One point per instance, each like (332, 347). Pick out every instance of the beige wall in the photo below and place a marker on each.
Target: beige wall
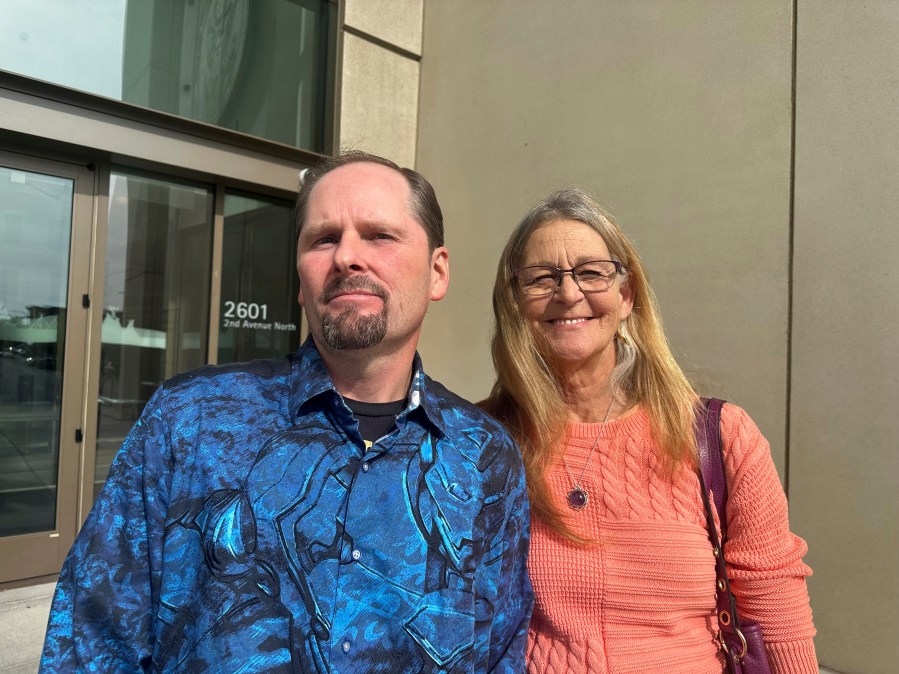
(844, 440)
(381, 49)
(675, 115)
(678, 116)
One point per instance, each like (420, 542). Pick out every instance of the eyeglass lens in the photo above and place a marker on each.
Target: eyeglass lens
(591, 276)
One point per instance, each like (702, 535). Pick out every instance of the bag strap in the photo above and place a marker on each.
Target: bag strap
(711, 458)
(712, 475)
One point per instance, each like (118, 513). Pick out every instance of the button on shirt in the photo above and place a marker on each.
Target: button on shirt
(245, 527)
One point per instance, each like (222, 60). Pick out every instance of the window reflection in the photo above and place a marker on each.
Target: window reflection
(262, 67)
(156, 298)
(259, 313)
(35, 230)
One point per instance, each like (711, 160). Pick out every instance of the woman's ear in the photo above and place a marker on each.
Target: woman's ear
(627, 297)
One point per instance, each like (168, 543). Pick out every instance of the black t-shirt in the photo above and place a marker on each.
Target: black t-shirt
(375, 419)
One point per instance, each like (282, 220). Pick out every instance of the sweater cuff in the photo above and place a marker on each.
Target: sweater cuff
(793, 657)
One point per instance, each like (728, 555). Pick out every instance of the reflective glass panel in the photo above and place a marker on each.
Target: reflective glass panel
(156, 298)
(262, 67)
(260, 314)
(35, 232)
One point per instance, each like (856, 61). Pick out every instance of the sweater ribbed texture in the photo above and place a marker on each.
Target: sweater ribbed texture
(643, 599)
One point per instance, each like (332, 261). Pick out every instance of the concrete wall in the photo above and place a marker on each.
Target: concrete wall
(675, 115)
(679, 117)
(379, 77)
(844, 431)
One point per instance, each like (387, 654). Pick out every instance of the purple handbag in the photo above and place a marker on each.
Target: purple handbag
(741, 640)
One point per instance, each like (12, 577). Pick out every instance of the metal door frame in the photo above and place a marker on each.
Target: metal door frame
(42, 553)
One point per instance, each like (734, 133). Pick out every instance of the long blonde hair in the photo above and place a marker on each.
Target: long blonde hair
(527, 395)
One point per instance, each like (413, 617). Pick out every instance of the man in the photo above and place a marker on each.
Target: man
(336, 511)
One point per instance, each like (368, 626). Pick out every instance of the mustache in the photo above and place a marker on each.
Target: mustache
(340, 285)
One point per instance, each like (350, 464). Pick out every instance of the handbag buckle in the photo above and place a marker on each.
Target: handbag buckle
(743, 646)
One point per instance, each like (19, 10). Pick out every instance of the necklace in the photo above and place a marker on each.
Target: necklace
(577, 496)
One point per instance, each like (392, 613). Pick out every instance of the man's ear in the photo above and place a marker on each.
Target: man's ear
(439, 273)
(299, 278)
(300, 298)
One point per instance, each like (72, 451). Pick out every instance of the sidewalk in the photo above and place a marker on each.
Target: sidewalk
(23, 619)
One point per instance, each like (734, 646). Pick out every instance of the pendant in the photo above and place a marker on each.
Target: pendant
(577, 498)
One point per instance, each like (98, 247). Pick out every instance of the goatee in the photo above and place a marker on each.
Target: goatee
(349, 329)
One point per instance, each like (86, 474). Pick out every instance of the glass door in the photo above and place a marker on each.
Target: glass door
(155, 300)
(259, 312)
(110, 283)
(45, 231)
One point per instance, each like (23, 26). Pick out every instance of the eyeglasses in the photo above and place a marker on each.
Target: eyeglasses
(591, 277)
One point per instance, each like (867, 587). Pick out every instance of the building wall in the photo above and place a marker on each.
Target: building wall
(844, 432)
(379, 77)
(676, 116)
(679, 118)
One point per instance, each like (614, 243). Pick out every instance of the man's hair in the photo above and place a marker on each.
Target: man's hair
(422, 200)
(527, 396)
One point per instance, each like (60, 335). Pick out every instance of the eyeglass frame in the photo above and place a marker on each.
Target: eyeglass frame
(619, 270)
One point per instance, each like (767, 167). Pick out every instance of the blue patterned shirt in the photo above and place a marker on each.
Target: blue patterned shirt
(245, 527)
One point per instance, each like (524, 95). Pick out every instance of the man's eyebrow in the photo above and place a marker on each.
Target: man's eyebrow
(380, 225)
(318, 227)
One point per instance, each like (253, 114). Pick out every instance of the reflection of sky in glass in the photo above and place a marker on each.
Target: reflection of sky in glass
(76, 44)
(35, 227)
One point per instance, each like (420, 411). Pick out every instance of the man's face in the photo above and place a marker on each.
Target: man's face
(366, 272)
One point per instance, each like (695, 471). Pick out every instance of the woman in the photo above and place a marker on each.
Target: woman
(620, 557)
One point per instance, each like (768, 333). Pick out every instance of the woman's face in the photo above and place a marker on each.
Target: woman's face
(578, 328)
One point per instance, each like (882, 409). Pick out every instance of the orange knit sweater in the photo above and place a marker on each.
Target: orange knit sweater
(643, 600)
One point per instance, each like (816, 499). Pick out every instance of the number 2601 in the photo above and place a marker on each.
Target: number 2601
(246, 310)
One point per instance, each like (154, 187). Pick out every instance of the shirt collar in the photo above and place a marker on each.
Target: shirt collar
(309, 379)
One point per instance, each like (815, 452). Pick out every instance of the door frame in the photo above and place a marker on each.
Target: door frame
(42, 553)
(33, 557)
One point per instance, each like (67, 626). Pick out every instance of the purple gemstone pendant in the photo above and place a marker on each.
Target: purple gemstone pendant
(577, 498)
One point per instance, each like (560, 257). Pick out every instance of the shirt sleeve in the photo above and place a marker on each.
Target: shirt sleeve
(504, 579)
(764, 557)
(101, 616)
